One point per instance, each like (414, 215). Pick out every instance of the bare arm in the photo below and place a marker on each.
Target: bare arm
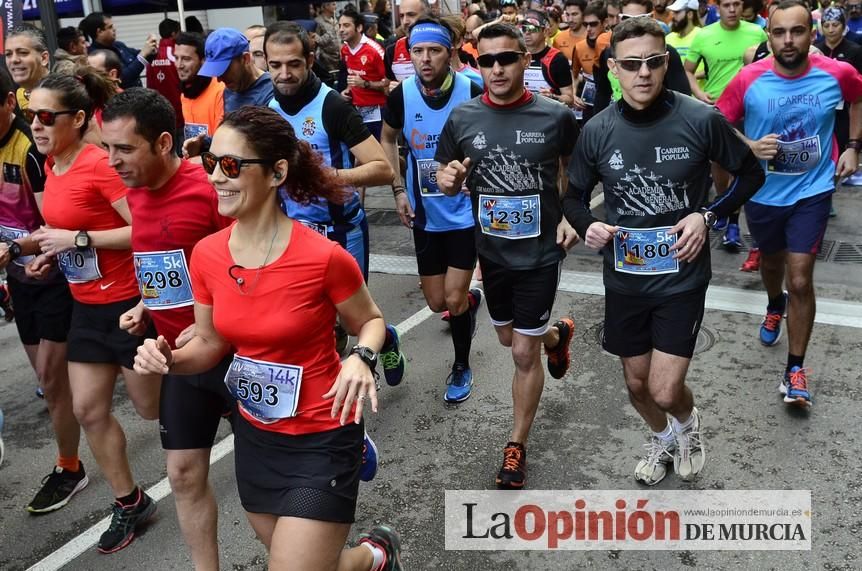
(371, 168)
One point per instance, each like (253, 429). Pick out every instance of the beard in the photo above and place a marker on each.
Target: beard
(679, 27)
(794, 62)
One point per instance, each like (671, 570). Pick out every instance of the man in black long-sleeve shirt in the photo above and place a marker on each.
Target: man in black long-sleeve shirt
(651, 150)
(674, 79)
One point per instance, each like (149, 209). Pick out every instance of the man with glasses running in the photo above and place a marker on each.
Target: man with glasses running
(788, 105)
(509, 147)
(651, 152)
(549, 73)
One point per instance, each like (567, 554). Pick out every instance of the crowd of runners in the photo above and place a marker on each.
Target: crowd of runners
(213, 251)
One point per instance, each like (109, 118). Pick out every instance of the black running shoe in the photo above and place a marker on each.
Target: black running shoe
(388, 541)
(559, 358)
(125, 521)
(58, 487)
(513, 473)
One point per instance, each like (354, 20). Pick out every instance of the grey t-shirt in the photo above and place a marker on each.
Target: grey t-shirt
(513, 184)
(654, 174)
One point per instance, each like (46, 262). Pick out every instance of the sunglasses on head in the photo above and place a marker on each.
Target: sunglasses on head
(46, 118)
(634, 64)
(503, 58)
(229, 164)
(624, 17)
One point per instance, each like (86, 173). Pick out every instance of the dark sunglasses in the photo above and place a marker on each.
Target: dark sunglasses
(592, 24)
(229, 164)
(47, 118)
(503, 58)
(624, 17)
(634, 64)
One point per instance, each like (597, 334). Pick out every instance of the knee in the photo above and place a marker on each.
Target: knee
(666, 397)
(799, 285)
(437, 305)
(526, 356)
(504, 336)
(456, 302)
(186, 478)
(148, 411)
(90, 415)
(638, 388)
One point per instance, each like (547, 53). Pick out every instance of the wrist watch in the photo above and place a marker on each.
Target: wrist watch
(82, 240)
(368, 356)
(709, 218)
(365, 84)
(14, 249)
(854, 144)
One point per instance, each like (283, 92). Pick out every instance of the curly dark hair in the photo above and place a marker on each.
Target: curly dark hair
(272, 138)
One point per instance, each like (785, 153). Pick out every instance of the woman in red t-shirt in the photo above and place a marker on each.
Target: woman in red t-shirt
(88, 236)
(270, 289)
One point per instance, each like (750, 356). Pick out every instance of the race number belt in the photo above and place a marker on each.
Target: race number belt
(510, 217)
(796, 157)
(369, 113)
(9, 233)
(589, 92)
(267, 391)
(79, 266)
(163, 278)
(427, 169)
(645, 251)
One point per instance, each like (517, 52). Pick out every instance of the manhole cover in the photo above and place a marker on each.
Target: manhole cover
(705, 338)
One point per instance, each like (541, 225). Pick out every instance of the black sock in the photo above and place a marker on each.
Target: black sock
(461, 336)
(733, 218)
(130, 499)
(794, 361)
(776, 302)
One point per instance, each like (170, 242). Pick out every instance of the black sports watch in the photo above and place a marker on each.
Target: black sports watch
(368, 356)
(82, 240)
(14, 249)
(710, 218)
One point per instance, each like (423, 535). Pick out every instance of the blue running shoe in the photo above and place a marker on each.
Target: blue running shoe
(731, 240)
(721, 224)
(393, 360)
(770, 327)
(368, 469)
(459, 384)
(794, 387)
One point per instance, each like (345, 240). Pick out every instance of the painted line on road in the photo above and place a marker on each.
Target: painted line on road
(829, 311)
(86, 540)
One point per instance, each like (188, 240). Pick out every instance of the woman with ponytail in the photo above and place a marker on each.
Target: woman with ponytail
(268, 289)
(87, 234)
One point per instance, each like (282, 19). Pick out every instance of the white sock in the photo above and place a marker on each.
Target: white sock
(681, 426)
(665, 435)
(376, 553)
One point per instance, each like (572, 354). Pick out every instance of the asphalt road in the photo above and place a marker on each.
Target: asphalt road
(586, 435)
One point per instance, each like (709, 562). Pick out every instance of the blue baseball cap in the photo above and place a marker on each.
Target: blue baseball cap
(222, 46)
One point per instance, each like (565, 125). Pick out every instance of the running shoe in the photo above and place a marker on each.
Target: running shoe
(40, 394)
(794, 387)
(770, 327)
(721, 224)
(368, 469)
(731, 240)
(2, 446)
(341, 339)
(653, 466)
(125, 521)
(475, 299)
(393, 360)
(513, 473)
(854, 179)
(559, 358)
(752, 262)
(459, 384)
(388, 541)
(690, 454)
(58, 488)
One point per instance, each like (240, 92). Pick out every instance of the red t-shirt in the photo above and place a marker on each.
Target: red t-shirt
(174, 217)
(81, 199)
(162, 76)
(287, 316)
(366, 61)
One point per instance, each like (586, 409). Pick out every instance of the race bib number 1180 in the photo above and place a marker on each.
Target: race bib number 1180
(645, 251)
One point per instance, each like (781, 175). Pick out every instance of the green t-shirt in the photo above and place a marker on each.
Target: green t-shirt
(681, 45)
(722, 51)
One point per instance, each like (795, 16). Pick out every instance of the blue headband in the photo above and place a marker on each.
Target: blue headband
(430, 32)
(833, 14)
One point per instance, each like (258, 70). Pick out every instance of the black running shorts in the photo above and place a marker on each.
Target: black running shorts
(522, 298)
(191, 406)
(96, 337)
(310, 476)
(436, 252)
(636, 325)
(42, 311)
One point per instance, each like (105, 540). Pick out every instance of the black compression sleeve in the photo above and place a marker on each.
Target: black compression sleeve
(576, 207)
(560, 70)
(749, 179)
(343, 122)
